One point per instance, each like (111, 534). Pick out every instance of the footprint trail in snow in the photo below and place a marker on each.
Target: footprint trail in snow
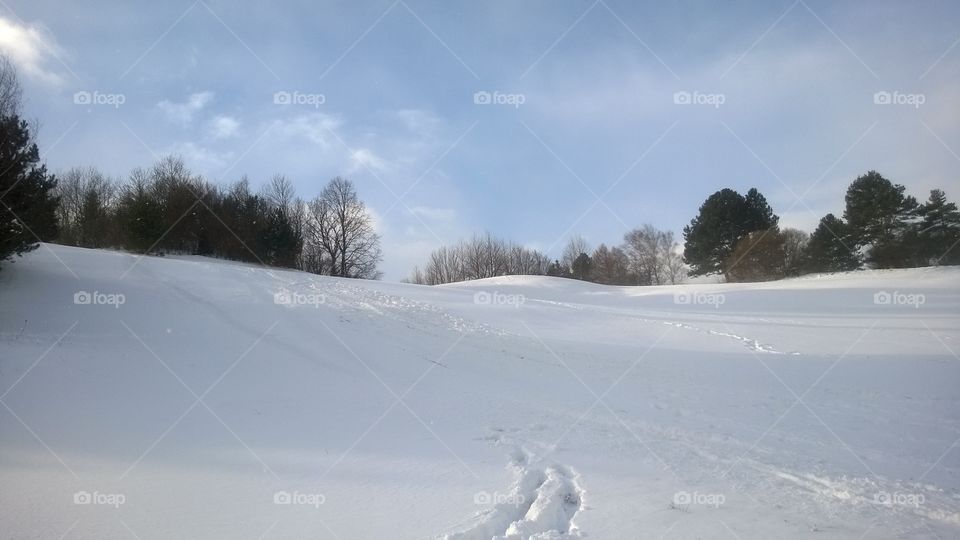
(542, 504)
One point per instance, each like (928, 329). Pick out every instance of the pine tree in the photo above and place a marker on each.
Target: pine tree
(758, 214)
(881, 218)
(582, 267)
(724, 218)
(827, 251)
(280, 242)
(939, 229)
(556, 269)
(28, 209)
(874, 208)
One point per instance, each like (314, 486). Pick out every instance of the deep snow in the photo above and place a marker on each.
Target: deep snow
(224, 400)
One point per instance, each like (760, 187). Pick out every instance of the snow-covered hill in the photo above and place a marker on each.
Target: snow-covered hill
(192, 398)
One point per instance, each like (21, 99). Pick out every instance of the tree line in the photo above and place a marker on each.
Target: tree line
(165, 208)
(648, 256)
(881, 227)
(482, 256)
(736, 236)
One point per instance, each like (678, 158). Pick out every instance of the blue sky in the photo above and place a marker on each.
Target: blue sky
(586, 138)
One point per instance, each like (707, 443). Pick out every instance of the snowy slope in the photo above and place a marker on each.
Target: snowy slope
(193, 398)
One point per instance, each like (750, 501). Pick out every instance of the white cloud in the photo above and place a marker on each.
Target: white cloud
(224, 127)
(365, 159)
(183, 113)
(31, 48)
(318, 128)
(200, 159)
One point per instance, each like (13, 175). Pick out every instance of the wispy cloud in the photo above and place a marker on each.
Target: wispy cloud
(32, 48)
(224, 127)
(364, 158)
(201, 158)
(183, 113)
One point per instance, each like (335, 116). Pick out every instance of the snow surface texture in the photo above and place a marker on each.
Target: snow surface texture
(192, 398)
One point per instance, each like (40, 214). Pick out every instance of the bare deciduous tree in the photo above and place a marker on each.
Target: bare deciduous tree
(482, 256)
(610, 266)
(523, 261)
(87, 201)
(446, 266)
(11, 92)
(340, 234)
(649, 250)
(485, 257)
(279, 192)
(575, 246)
(676, 270)
(794, 243)
(758, 256)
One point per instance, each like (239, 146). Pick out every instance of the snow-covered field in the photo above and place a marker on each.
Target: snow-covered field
(192, 398)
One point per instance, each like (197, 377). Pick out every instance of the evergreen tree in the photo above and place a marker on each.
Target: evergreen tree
(280, 240)
(904, 249)
(582, 267)
(875, 208)
(758, 215)
(724, 218)
(881, 218)
(939, 229)
(28, 209)
(827, 250)
(556, 269)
